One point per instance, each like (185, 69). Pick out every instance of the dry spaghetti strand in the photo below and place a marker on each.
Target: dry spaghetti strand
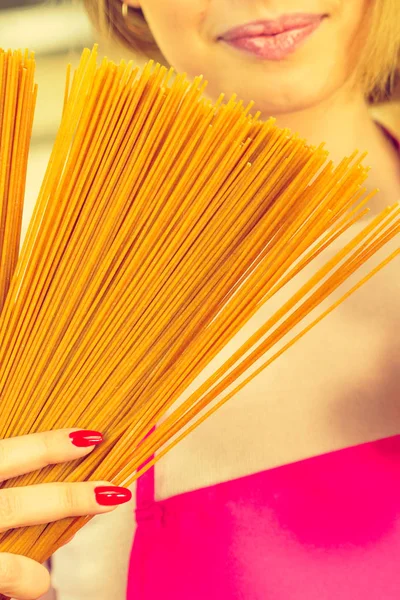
(164, 223)
(17, 105)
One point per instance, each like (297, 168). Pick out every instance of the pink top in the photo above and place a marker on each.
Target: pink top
(325, 528)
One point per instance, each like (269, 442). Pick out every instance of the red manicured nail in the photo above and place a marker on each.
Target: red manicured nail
(85, 439)
(112, 496)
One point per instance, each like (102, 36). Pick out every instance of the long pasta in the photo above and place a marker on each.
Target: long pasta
(17, 105)
(163, 224)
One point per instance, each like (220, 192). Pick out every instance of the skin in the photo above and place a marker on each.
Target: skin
(21, 577)
(308, 77)
(311, 92)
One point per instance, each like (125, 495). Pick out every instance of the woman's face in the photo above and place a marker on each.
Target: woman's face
(286, 55)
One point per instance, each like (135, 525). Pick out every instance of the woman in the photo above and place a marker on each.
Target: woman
(292, 491)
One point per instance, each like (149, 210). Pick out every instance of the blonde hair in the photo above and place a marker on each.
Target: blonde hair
(379, 65)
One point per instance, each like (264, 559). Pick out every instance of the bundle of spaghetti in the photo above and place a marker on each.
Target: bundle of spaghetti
(17, 106)
(165, 221)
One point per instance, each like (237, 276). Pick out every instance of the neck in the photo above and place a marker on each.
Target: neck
(345, 124)
(342, 121)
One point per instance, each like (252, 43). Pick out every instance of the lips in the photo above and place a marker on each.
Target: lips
(273, 40)
(270, 28)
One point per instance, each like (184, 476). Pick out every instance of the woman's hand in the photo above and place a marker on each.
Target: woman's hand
(21, 577)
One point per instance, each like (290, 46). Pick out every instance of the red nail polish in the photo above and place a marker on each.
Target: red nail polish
(85, 439)
(112, 496)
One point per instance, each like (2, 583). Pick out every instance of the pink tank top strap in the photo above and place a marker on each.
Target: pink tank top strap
(145, 493)
(145, 490)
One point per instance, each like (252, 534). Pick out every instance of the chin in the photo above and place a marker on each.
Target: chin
(277, 89)
(274, 99)
(288, 89)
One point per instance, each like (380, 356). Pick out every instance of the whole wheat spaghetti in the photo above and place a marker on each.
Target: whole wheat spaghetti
(163, 224)
(17, 104)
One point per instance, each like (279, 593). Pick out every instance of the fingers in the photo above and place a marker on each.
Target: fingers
(27, 453)
(22, 578)
(40, 504)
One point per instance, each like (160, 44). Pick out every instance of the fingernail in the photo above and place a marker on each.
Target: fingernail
(85, 439)
(112, 496)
